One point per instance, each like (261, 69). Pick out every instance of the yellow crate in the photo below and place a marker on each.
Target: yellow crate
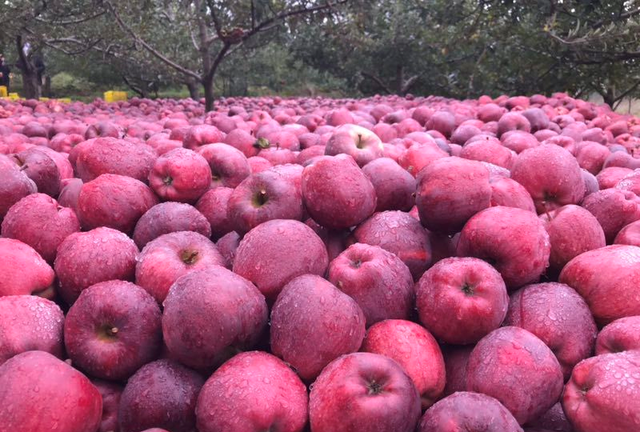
(108, 96)
(115, 96)
(44, 99)
(14, 96)
(3, 91)
(64, 100)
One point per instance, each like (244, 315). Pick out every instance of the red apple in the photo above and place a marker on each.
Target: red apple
(336, 192)
(35, 386)
(273, 399)
(166, 258)
(600, 395)
(509, 193)
(40, 168)
(380, 395)
(450, 191)
(361, 144)
(214, 205)
(168, 217)
(110, 393)
(24, 271)
(180, 175)
(86, 258)
(461, 300)
(470, 412)
(15, 185)
(515, 367)
(160, 394)
(211, 313)
(620, 335)
(228, 165)
(415, 350)
(456, 359)
(395, 187)
(313, 323)
(275, 252)
(115, 156)
(514, 241)
(114, 201)
(614, 209)
(227, 246)
(376, 279)
(112, 330)
(69, 193)
(30, 323)
(38, 221)
(200, 135)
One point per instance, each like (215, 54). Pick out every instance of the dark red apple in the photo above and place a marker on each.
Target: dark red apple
(556, 314)
(469, 412)
(507, 192)
(211, 313)
(30, 323)
(114, 201)
(168, 217)
(40, 168)
(35, 386)
(69, 193)
(415, 350)
(401, 234)
(600, 397)
(456, 359)
(24, 271)
(313, 323)
(110, 393)
(515, 367)
(15, 185)
(200, 135)
(180, 175)
(606, 279)
(450, 191)
(166, 258)
(275, 252)
(160, 394)
(86, 258)
(112, 330)
(395, 187)
(273, 399)
(380, 395)
(376, 279)
(614, 209)
(620, 335)
(514, 241)
(115, 156)
(228, 165)
(336, 193)
(461, 300)
(214, 205)
(38, 220)
(361, 144)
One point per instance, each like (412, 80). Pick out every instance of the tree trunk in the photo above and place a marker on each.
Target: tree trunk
(209, 97)
(400, 80)
(194, 92)
(31, 85)
(46, 91)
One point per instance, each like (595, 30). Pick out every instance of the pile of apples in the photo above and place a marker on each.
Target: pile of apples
(390, 264)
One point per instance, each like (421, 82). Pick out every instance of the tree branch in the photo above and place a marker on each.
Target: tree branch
(71, 22)
(377, 80)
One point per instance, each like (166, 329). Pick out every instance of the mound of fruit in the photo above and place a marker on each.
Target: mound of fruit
(378, 265)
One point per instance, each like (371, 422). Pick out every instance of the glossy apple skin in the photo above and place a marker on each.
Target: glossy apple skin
(488, 149)
(69, 193)
(336, 193)
(213, 205)
(513, 240)
(572, 231)
(160, 394)
(620, 335)
(180, 175)
(111, 393)
(413, 348)
(273, 399)
(30, 323)
(24, 271)
(276, 251)
(472, 412)
(228, 165)
(600, 395)
(304, 325)
(38, 220)
(553, 420)
(556, 314)
(456, 359)
(209, 314)
(614, 209)
(166, 258)
(361, 144)
(79, 264)
(15, 185)
(461, 300)
(261, 197)
(35, 385)
(376, 279)
(450, 191)
(606, 279)
(381, 395)
(394, 186)
(509, 193)
(113, 329)
(399, 233)
(551, 175)
(41, 168)
(629, 235)
(168, 217)
(115, 156)
(114, 201)
(515, 367)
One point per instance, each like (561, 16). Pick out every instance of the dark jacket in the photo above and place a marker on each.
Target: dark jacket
(4, 80)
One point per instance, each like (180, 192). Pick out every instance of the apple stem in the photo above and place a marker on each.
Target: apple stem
(114, 330)
(546, 210)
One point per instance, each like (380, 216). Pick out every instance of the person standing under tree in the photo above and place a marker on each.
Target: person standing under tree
(5, 72)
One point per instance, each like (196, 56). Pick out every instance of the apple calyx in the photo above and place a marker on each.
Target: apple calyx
(356, 264)
(260, 198)
(108, 332)
(189, 256)
(375, 388)
(262, 143)
(168, 180)
(467, 289)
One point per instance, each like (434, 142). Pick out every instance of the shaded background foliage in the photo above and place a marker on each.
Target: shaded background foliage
(458, 48)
